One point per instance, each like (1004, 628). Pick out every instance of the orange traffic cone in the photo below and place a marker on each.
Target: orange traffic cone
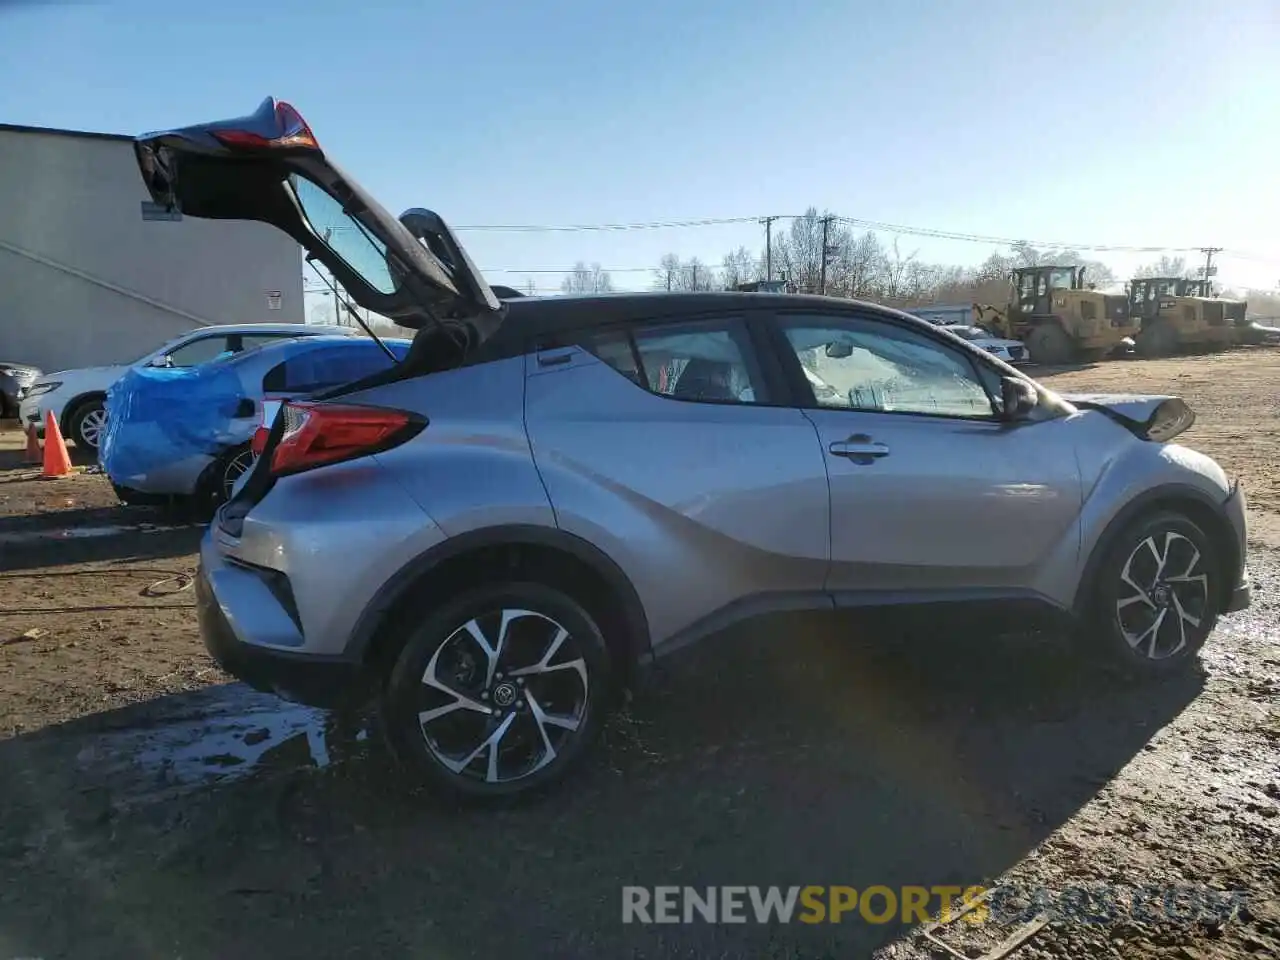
(33, 445)
(57, 462)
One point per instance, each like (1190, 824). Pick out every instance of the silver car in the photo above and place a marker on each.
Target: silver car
(547, 495)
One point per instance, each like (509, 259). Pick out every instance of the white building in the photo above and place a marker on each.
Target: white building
(92, 273)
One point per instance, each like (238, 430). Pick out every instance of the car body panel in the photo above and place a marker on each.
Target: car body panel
(470, 468)
(646, 478)
(1007, 497)
(362, 508)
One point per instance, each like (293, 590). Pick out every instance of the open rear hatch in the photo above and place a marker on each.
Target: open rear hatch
(268, 166)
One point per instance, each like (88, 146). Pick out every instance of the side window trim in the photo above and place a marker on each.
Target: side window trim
(803, 390)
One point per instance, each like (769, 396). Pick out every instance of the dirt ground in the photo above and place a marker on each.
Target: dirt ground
(151, 808)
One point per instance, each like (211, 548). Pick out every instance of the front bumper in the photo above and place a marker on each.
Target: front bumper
(31, 414)
(249, 632)
(1237, 514)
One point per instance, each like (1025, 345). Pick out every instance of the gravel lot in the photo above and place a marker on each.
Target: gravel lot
(150, 808)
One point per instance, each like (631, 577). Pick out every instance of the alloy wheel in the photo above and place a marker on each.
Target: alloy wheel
(91, 426)
(236, 467)
(503, 695)
(1164, 590)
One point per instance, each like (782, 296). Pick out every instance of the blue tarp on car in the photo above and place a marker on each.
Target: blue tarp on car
(160, 416)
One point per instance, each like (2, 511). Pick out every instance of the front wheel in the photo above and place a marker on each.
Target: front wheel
(498, 692)
(86, 424)
(1155, 596)
(1049, 344)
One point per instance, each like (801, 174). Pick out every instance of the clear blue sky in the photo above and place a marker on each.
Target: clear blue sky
(1144, 122)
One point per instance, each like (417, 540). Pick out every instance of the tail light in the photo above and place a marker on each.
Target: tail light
(259, 441)
(291, 131)
(316, 434)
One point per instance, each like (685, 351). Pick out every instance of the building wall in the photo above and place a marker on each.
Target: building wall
(84, 280)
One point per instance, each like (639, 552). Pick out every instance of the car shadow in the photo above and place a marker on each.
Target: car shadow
(94, 534)
(792, 752)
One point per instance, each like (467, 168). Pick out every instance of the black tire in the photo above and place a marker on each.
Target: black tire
(1116, 614)
(215, 484)
(82, 421)
(1049, 344)
(1157, 339)
(442, 645)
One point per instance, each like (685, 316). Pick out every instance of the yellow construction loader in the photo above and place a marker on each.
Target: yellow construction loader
(1059, 319)
(1176, 314)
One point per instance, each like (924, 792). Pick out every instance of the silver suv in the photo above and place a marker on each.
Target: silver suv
(546, 495)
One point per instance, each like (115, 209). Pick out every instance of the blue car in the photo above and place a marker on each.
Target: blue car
(186, 434)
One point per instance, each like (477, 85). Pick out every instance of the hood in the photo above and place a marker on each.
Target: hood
(81, 373)
(268, 166)
(1150, 417)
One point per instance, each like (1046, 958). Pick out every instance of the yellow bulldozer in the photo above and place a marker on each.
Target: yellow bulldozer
(1176, 313)
(1058, 317)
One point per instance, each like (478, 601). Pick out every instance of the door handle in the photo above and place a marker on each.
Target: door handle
(860, 448)
(555, 359)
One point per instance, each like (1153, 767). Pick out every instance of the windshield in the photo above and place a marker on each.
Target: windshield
(1062, 278)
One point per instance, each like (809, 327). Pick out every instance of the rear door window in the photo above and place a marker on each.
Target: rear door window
(707, 361)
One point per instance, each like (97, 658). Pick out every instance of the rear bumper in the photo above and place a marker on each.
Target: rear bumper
(231, 600)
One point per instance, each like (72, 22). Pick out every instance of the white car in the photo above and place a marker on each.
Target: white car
(1010, 351)
(76, 396)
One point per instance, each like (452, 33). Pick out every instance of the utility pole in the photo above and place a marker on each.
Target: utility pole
(337, 307)
(1208, 266)
(694, 284)
(822, 284)
(768, 247)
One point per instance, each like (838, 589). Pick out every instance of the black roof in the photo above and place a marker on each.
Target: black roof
(542, 318)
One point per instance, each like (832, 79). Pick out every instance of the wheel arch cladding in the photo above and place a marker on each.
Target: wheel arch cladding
(1197, 506)
(515, 552)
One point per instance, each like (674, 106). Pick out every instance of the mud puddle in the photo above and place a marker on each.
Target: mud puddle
(193, 741)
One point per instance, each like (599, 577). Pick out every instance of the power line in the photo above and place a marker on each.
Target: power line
(880, 225)
(578, 227)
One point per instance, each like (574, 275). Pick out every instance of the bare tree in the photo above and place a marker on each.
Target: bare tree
(738, 267)
(587, 279)
(696, 275)
(667, 275)
(1167, 266)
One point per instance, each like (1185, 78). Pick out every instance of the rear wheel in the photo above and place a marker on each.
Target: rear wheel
(219, 480)
(1049, 344)
(498, 692)
(85, 425)
(1155, 596)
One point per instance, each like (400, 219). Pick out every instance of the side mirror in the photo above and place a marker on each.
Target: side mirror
(1017, 398)
(838, 351)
